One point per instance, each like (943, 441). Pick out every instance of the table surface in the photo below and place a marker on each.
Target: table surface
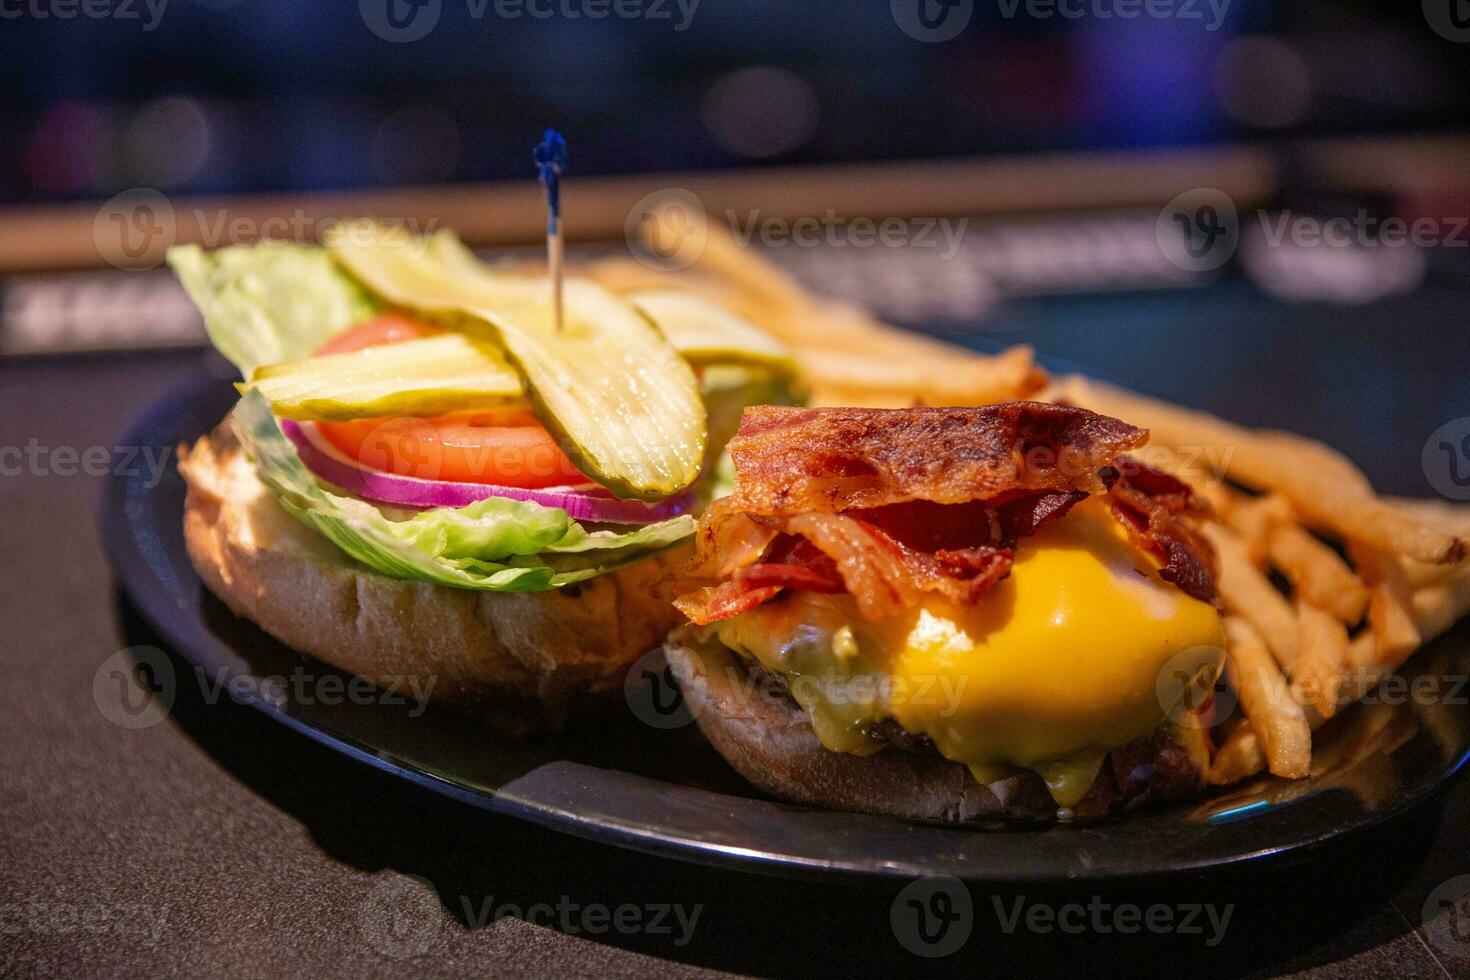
(220, 844)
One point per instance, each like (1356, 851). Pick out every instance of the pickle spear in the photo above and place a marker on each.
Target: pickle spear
(431, 376)
(622, 402)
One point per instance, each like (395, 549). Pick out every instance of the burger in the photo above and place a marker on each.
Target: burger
(437, 469)
(954, 614)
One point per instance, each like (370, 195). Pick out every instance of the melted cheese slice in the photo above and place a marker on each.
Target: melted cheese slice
(1048, 671)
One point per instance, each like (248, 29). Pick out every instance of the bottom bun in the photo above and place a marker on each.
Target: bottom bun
(533, 649)
(769, 741)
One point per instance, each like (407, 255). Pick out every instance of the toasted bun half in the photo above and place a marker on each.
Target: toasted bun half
(512, 647)
(770, 742)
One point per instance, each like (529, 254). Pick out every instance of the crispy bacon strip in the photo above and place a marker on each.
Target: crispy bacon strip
(728, 539)
(840, 552)
(713, 603)
(803, 578)
(872, 565)
(1156, 509)
(886, 575)
(1021, 514)
(891, 505)
(802, 461)
(792, 563)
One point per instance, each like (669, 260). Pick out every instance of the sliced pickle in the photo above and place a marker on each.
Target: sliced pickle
(431, 376)
(622, 402)
(706, 333)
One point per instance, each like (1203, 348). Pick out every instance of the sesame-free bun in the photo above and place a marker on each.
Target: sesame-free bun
(538, 648)
(769, 741)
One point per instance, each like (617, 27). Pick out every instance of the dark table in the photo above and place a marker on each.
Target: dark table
(219, 844)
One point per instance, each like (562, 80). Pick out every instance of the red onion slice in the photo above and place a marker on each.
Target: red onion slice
(584, 503)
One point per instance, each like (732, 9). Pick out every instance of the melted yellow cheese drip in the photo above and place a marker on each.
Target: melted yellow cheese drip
(1049, 670)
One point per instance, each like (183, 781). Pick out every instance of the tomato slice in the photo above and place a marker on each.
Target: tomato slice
(389, 328)
(504, 447)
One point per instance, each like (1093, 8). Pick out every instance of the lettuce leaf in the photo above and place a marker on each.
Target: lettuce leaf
(270, 302)
(494, 544)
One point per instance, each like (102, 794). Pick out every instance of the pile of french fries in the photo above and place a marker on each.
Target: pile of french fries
(1295, 662)
(1397, 577)
(847, 357)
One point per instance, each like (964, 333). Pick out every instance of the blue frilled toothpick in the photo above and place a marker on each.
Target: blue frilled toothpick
(551, 158)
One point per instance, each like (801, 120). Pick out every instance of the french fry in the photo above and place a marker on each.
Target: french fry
(1420, 575)
(1240, 755)
(1237, 757)
(1438, 606)
(792, 314)
(1274, 714)
(1390, 606)
(1441, 513)
(1359, 673)
(869, 356)
(1316, 573)
(1319, 677)
(1254, 518)
(1296, 452)
(1390, 613)
(743, 267)
(1004, 377)
(1362, 654)
(1323, 487)
(1210, 486)
(624, 275)
(1249, 595)
(1452, 517)
(849, 357)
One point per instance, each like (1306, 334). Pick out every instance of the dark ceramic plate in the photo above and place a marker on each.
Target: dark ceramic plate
(614, 779)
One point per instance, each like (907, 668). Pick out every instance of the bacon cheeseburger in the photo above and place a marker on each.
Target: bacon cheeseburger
(949, 613)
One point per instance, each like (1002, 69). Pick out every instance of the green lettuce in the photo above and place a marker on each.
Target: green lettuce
(494, 544)
(271, 302)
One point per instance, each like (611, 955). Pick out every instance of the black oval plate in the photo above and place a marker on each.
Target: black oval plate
(613, 779)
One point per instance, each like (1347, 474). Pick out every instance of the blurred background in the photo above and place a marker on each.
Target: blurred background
(247, 96)
(1104, 179)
